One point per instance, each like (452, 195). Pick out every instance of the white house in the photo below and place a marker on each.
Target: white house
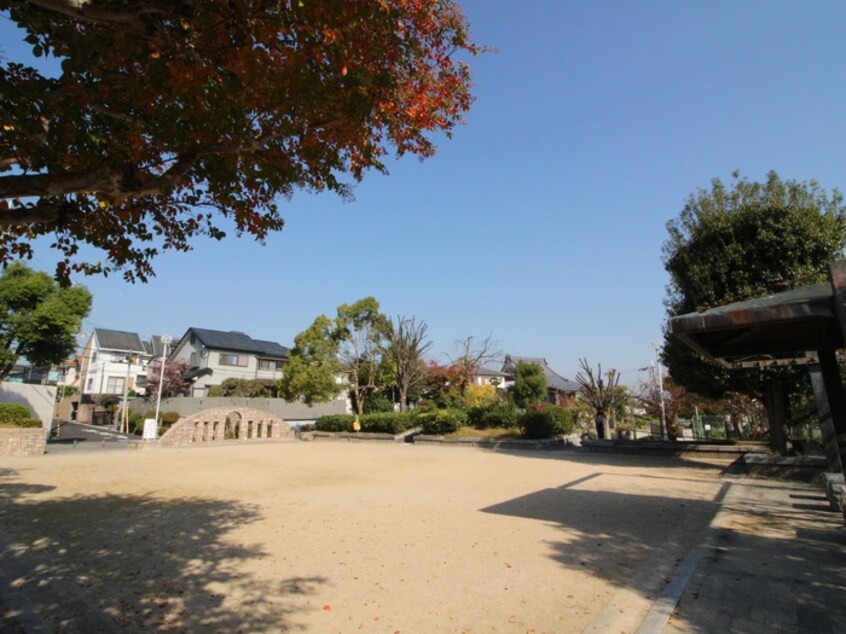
(115, 360)
(214, 356)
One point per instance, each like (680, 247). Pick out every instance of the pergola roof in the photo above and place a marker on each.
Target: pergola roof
(784, 328)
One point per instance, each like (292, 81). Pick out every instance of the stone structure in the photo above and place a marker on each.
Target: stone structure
(228, 424)
(23, 442)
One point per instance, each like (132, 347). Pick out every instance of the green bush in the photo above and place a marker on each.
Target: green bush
(169, 418)
(28, 422)
(538, 424)
(442, 421)
(387, 422)
(335, 422)
(563, 418)
(12, 413)
(503, 415)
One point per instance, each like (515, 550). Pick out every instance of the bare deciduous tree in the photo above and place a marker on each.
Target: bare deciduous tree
(405, 348)
(601, 395)
(471, 357)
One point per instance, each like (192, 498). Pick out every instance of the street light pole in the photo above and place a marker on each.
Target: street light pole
(166, 339)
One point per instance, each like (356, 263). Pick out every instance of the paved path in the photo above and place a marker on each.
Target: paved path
(773, 560)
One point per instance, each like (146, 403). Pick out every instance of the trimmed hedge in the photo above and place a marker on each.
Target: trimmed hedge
(12, 413)
(442, 421)
(28, 423)
(501, 416)
(387, 422)
(335, 422)
(538, 424)
(379, 423)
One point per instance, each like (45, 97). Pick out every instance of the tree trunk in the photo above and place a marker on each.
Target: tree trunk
(777, 404)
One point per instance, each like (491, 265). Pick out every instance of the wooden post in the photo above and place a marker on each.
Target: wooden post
(826, 406)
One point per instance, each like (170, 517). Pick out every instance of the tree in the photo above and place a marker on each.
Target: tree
(38, 319)
(405, 348)
(749, 240)
(602, 395)
(529, 384)
(174, 382)
(360, 330)
(471, 357)
(168, 120)
(313, 366)
(667, 402)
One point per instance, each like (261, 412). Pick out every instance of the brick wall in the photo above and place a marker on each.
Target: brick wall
(245, 425)
(22, 442)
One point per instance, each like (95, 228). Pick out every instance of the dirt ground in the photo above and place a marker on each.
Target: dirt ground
(333, 536)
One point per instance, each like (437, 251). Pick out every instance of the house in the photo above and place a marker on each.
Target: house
(116, 360)
(487, 376)
(560, 389)
(214, 356)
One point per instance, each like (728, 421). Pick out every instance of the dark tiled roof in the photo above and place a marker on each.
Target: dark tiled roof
(118, 340)
(237, 341)
(553, 379)
(273, 349)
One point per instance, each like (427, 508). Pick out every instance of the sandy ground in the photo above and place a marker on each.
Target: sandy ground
(358, 536)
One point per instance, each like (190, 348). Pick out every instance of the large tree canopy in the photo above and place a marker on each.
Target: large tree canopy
(729, 244)
(38, 319)
(168, 116)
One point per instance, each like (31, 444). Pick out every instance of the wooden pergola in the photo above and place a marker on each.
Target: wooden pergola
(802, 326)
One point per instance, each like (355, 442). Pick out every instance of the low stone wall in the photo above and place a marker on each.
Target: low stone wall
(23, 442)
(243, 425)
(803, 468)
(501, 443)
(677, 449)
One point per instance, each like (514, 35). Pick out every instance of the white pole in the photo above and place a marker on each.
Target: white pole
(166, 339)
(657, 345)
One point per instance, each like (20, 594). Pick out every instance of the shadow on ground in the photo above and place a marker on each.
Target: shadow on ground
(146, 563)
(634, 541)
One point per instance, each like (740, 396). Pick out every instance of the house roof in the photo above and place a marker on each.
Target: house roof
(237, 341)
(118, 340)
(273, 349)
(553, 379)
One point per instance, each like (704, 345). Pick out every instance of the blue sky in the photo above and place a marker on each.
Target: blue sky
(541, 222)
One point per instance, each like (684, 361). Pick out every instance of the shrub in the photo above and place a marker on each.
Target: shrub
(538, 424)
(505, 415)
(12, 413)
(376, 402)
(387, 422)
(169, 418)
(28, 422)
(335, 422)
(442, 421)
(563, 418)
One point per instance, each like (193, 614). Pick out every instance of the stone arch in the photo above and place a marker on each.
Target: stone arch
(228, 424)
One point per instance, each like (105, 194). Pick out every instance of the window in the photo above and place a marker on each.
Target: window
(141, 380)
(271, 365)
(93, 357)
(240, 360)
(89, 385)
(114, 385)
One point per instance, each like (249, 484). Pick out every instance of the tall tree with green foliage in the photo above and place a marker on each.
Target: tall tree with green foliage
(313, 368)
(733, 243)
(361, 331)
(160, 121)
(38, 319)
(529, 384)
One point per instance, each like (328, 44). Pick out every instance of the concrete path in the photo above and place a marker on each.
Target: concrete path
(773, 560)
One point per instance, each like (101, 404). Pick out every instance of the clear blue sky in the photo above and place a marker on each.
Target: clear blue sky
(541, 222)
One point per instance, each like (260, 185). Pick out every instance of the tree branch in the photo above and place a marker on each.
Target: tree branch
(85, 10)
(128, 183)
